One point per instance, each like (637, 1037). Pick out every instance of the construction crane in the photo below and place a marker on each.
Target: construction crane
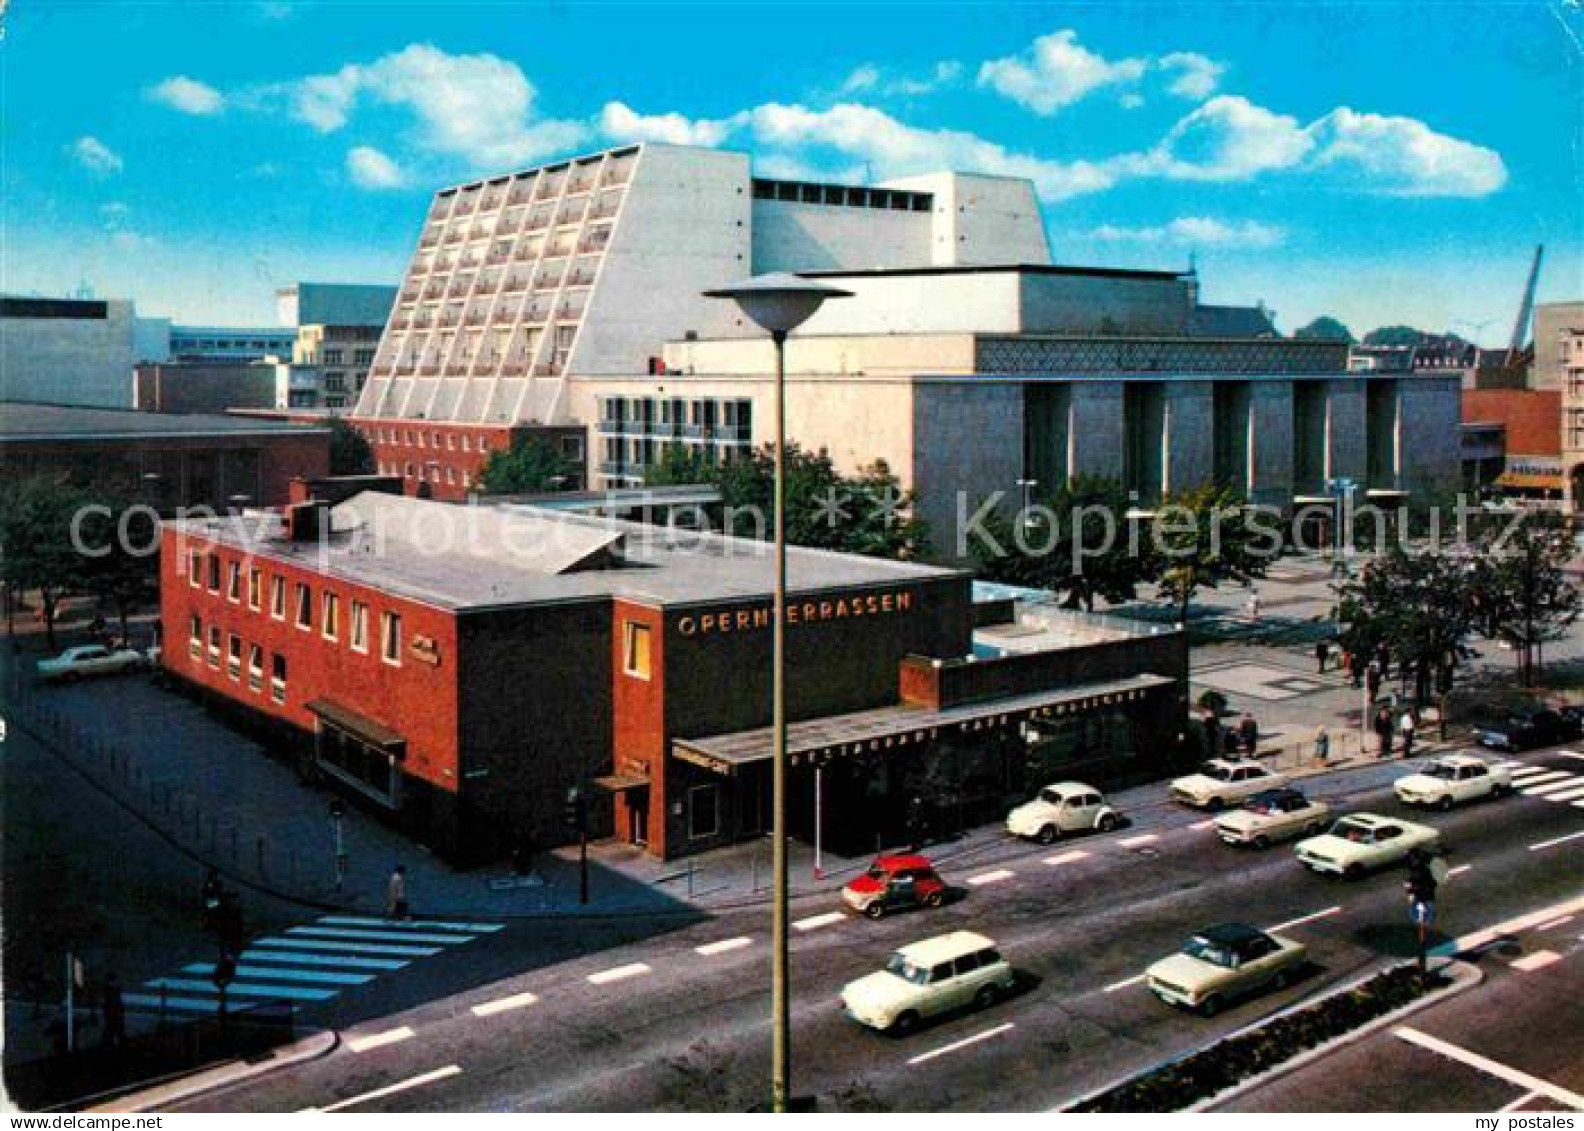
(1525, 309)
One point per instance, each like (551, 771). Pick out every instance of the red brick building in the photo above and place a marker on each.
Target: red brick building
(460, 668)
(447, 458)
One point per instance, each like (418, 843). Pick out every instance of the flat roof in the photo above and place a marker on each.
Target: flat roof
(22, 421)
(999, 268)
(465, 558)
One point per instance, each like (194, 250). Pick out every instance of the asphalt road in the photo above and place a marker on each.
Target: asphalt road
(679, 1020)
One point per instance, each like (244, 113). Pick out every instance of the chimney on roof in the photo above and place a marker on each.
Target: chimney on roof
(307, 521)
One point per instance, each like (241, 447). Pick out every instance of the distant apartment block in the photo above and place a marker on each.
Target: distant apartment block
(1559, 365)
(203, 386)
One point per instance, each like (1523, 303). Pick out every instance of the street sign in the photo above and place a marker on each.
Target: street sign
(1423, 913)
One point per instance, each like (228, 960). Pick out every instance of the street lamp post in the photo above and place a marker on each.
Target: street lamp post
(779, 303)
(1028, 486)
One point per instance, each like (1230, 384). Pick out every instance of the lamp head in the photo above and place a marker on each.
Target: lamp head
(779, 302)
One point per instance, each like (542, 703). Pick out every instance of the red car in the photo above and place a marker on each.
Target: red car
(893, 883)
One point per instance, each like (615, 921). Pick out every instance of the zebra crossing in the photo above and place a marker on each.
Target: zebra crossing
(309, 963)
(1561, 786)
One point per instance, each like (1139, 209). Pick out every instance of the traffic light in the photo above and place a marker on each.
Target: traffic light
(229, 925)
(224, 971)
(1421, 883)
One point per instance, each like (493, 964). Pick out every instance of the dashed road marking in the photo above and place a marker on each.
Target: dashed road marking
(1571, 781)
(1491, 1067)
(993, 877)
(1067, 857)
(1552, 924)
(1134, 841)
(1460, 869)
(376, 936)
(411, 924)
(1123, 984)
(242, 989)
(1203, 824)
(379, 1040)
(502, 1004)
(391, 1089)
(816, 921)
(1571, 754)
(328, 977)
(962, 1044)
(1557, 840)
(1527, 1097)
(1302, 919)
(1528, 770)
(1535, 961)
(618, 973)
(1525, 784)
(1572, 793)
(723, 946)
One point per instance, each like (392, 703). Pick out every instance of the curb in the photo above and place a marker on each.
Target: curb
(227, 1072)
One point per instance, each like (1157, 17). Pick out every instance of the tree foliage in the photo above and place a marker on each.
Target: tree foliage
(530, 465)
(1325, 328)
(1521, 593)
(350, 453)
(1206, 536)
(36, 551)
(679, 465)
(1419, 607)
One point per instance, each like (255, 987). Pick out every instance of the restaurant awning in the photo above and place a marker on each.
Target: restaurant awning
(621, 783)
(1531, 480)
(359, 726)
(887, 728)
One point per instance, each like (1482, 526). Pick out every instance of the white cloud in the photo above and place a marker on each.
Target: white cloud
(869, 78)
(865, 77)
(187, 95)
(1405, 157)
(1196, 231)
(1055, 72)
(477, 107)
(371, 169)
(1197, 76)
(618, 120)
(1227, 139)
(95, 156)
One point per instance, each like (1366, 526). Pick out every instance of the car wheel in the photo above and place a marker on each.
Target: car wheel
(1261, 842)
(1444, 803)
(933, 899)
(875, 909)
(986, 997)
(905, 1023)
(1107, 822)
(1504, 790)
(1048, 834)
(1353, 872)
(1216, 804)
(1281, 980)
(1210, 1006)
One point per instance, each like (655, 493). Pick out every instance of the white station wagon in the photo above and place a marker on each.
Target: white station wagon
(1066, 807)
(89, 660)
(1221, 783)
(1446, 781)
(927, 978)
(1362, 841)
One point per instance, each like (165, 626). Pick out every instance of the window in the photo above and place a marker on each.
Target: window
(234, 582)
(359, 627)
(278, 677)
(635, 650)
(390, 638)
(195, 637)
(214, 646)
(214, 574)
(194, 568)
(703, 811)
(234, 656)
(450, 442)
(255, 668)
(450, 474)
(332, 357)
(572, 448)
(304, 606)
(467, 443)
(278, 598)
(331, 622)
(255, 588)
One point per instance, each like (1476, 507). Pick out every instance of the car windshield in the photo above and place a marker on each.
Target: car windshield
(1263, 805)
(1219, 773)
(1208, 951)
(1353, 831)
(877, 873)
(1050, 797)
(906, 970)
(1438, 770)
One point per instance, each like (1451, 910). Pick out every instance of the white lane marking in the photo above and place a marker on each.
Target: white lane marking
(377, 936)
(241, 989)
(1571, 754)
(1552, 924)
(962, 1044)
(1491, 1067)
(1571, 793)
(410, 924)
(1524, 783)
(351, 947)
(379, 1040)
(285, 974)
(1557, 840)
(1550, 787)
(1067, 857)
(502, 1004)
(723, 946)
(993, 877)
(1129, 842)
(1536, 961)
(1123, 984)
(153, 1001)
(1302, 919)
(391, 1089)
(1460, 869)
(816, 921)
(1530, 770)
(617, 973)
(1518, 1103)
(1203, 824)
(1501, 930)
(299, 958)
(1578, 804)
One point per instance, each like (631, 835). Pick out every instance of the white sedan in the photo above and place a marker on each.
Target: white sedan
(1362, 841)
(1277, 814)
(1066, 807)
(1222, 782)
(1446, 781)
(89, 660)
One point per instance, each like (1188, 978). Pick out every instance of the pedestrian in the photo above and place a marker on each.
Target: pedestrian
(1408, 728)
(1252, 605)
(1212, 733)
(396, 894)
(1322, 650)
(114, 1035)
(1383, 730)
(1322, 741)
(1248, 733)
(1372, 679)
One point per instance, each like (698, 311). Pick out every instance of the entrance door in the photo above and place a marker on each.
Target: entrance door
(637, 801)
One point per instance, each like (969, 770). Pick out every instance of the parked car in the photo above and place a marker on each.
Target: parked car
(894, 883)
(1222, 782)
(1360, 842)
(928, 978)
(1066, 807)
(1225, 962)
(89, 660)
(1275, 814)
(1529, 727)
(1444, 782)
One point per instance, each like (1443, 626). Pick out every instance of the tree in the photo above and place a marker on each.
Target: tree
(1521, 592)
(1075, 542)
(36, 550)
(126, 575)
(1205, 536)
(1325, 328)
(1418, 606)
(530, 465)
(350, 453)
(1395, 336)
(679, 464)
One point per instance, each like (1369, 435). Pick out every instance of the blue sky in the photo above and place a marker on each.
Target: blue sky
(1380, 162)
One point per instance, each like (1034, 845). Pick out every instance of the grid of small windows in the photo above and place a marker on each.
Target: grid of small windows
(842, 196)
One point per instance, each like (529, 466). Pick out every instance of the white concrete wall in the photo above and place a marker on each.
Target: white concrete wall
(70, 361)
(921, 304)
(981, 220)
(792, 236)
